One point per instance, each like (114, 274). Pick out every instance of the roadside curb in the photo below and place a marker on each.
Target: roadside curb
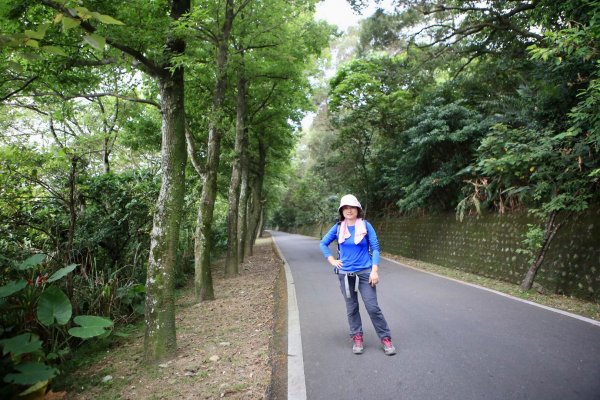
(296, 379)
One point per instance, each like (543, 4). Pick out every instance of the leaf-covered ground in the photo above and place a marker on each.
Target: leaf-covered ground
(226, 347)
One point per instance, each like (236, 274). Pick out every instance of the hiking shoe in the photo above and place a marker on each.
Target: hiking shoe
(357, 348)
(388, 347)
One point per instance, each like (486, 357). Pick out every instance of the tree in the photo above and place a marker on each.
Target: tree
(219, 37)
(155, 56)
(271, 64)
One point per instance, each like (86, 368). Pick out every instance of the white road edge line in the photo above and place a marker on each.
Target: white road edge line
(566, 313)
(296, 381)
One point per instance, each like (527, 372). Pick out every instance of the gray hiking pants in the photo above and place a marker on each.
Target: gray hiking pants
(369, 296)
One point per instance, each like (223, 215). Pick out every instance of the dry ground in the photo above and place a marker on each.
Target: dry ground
(226, 347)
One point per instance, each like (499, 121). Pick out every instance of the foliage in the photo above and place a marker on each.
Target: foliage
(30, 294)
(472, 106)
(533, 242)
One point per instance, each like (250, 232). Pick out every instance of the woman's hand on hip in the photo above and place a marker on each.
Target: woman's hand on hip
(334, 262)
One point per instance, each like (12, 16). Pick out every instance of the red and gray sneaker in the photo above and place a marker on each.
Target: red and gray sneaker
(388, 347)
(357, 348)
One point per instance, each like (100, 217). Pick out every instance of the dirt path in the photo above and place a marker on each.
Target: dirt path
(226, 347)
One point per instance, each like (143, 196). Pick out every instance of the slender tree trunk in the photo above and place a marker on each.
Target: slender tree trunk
(72, 207)
(232, 261)
(203, 277)
(257, 201)
(250, 216)
(261, 223)
(73, 214)
(248, 239)
(549, 232)
(243, 210)
(160, 336)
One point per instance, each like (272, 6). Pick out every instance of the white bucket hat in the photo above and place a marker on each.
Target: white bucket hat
(349, 200)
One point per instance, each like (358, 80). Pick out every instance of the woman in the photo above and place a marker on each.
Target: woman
(358, 267)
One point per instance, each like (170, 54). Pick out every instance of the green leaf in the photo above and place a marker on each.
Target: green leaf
(31, 373)
(54, 50)
(31, 56)
(12, 287)
(96, 41)
(25, 343)
(39, 33)
(62, 272)
(32, 261)
(91, 326)
(87, 332)
(139, 309)
(34, 35)
(15, 67)
(32, 43)
(34, 388)
(69, 23)
(56, 355)
(107, 19)
(83, 13)
(54, 305)
(92, 320)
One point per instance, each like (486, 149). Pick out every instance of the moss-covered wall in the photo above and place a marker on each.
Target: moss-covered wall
(484, 245)
(487, 245)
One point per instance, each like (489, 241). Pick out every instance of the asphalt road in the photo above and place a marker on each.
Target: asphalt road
(454, 341)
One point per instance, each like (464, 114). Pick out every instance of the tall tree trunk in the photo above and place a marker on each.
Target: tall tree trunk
(203, 277)
(73, 214)
(232, 261)
(72, 207)
(261, 223)
(159, 340)
(551, 227)
(257, 201)
(243, 210)
(160, 337)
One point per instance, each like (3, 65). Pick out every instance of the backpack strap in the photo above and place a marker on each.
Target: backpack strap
(338, 238)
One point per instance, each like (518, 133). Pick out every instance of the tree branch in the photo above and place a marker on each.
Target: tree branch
(494, 20)
(86, 63)
(118, 96)
(27, 83)
(193, 153)
(263, 103)
(151, 67)
(97, 95)
(27, 106)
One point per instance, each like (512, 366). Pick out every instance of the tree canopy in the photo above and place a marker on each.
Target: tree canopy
(102, 103)
(465, 107)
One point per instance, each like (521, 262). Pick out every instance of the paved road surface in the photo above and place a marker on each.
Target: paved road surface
(454, 341)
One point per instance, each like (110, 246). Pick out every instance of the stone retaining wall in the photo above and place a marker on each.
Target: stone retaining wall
(487, 245)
